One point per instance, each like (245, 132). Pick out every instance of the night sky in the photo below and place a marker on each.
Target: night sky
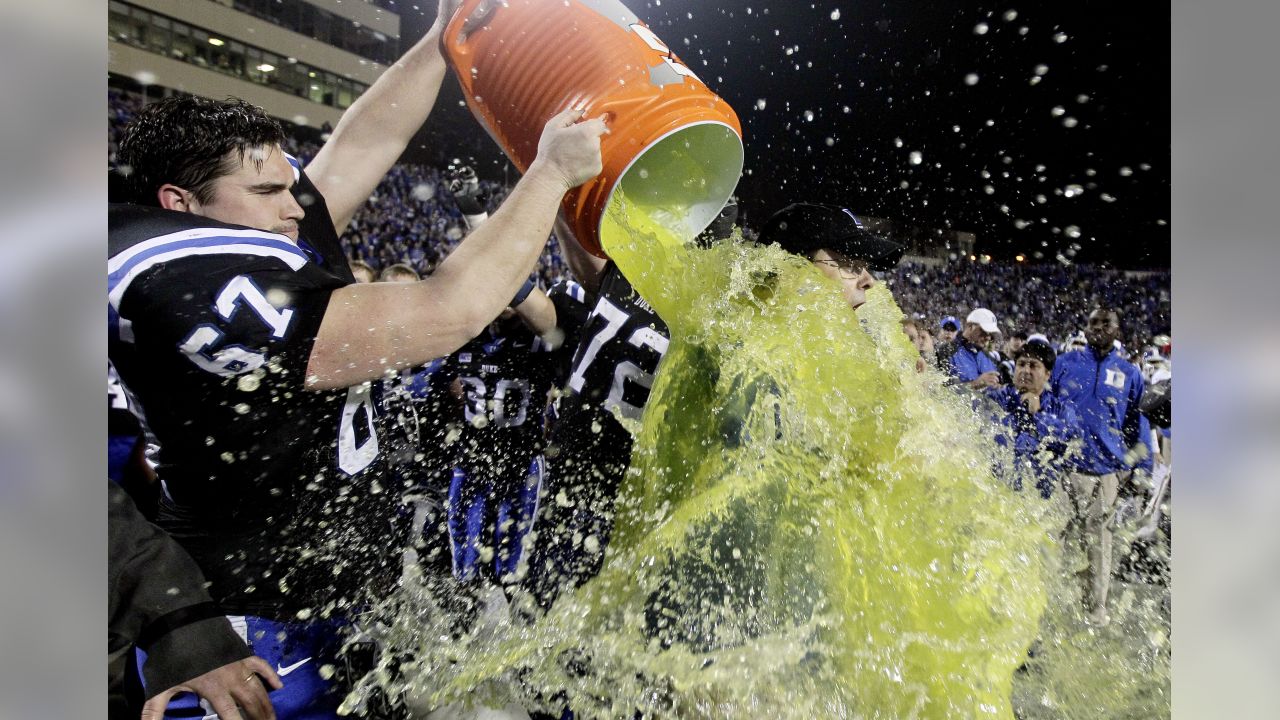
(926, 113)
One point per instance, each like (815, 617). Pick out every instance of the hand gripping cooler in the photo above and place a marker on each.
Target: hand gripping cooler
(674, 148)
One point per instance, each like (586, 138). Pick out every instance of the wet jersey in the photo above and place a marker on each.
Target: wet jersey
(281, 494)
(505, 376)
(621, 345)
(589, 449)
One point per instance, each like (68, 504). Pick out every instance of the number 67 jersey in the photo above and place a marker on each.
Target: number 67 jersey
(279, 493)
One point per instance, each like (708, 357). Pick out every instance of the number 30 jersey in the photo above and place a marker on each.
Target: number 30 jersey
(279, 493)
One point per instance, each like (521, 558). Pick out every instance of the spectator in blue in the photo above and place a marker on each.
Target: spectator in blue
(948, 329)
(970, 363)
(1043, 430)
(1105, 389)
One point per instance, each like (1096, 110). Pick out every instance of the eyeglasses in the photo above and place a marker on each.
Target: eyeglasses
(849, 269)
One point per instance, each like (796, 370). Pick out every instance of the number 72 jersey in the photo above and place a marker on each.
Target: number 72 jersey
(211, 328)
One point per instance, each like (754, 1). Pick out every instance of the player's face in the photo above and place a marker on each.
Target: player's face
(256, 197)
(1029, 375)
(852, 274)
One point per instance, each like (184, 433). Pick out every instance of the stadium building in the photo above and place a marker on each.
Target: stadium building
(303, 61)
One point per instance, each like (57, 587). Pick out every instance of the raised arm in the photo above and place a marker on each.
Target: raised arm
(370, 329)
(377, 128)
(586, 268)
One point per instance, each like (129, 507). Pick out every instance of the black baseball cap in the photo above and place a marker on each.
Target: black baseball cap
(802, 228)
(1038, 350)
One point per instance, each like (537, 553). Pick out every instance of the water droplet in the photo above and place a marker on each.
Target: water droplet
(835, 14)
(897, 142)
(1126, 171)
(830, 142)
(1073, 190)
(980, 29)
(760, 104)
(1070, 122)
(1060, 37)
(916, 157)
(808, 116)
(1042, 69)
(971, 79)
(1058, 111)
(1072, 231)
(423, 192)
(1010, 15)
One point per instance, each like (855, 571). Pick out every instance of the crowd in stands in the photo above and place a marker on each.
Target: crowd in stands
(412, 219)
(1051, 299)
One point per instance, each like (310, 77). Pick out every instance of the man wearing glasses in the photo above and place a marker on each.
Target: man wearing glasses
(838, 242)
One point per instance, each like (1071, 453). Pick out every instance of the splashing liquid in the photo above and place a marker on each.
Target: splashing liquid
(809, 528)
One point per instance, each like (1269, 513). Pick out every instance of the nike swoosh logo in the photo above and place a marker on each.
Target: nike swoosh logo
(282, 671)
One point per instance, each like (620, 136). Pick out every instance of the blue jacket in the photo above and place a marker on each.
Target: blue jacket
(970, 361)
(1105, 394)
(1044, 444)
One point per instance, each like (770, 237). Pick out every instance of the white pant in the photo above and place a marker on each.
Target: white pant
(1093, 504)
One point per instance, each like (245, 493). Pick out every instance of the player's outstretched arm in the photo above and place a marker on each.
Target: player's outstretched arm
(371, 329)
(377, 128)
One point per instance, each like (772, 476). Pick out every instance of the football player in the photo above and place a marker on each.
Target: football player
(235, 322)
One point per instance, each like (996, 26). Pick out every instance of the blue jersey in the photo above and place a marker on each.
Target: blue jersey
(1043, 442)
(1105, 394)
(970, 361)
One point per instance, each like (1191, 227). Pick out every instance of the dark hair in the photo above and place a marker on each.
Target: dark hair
(1018, 335)
(1037, 350)
(951, 325)
(190, 142)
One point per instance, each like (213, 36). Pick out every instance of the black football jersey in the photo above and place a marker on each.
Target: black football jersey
(620, 347)
(505, 376)
(589, 449)
(281, 494)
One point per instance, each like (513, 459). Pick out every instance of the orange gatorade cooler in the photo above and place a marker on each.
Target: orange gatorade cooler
(673, 147)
